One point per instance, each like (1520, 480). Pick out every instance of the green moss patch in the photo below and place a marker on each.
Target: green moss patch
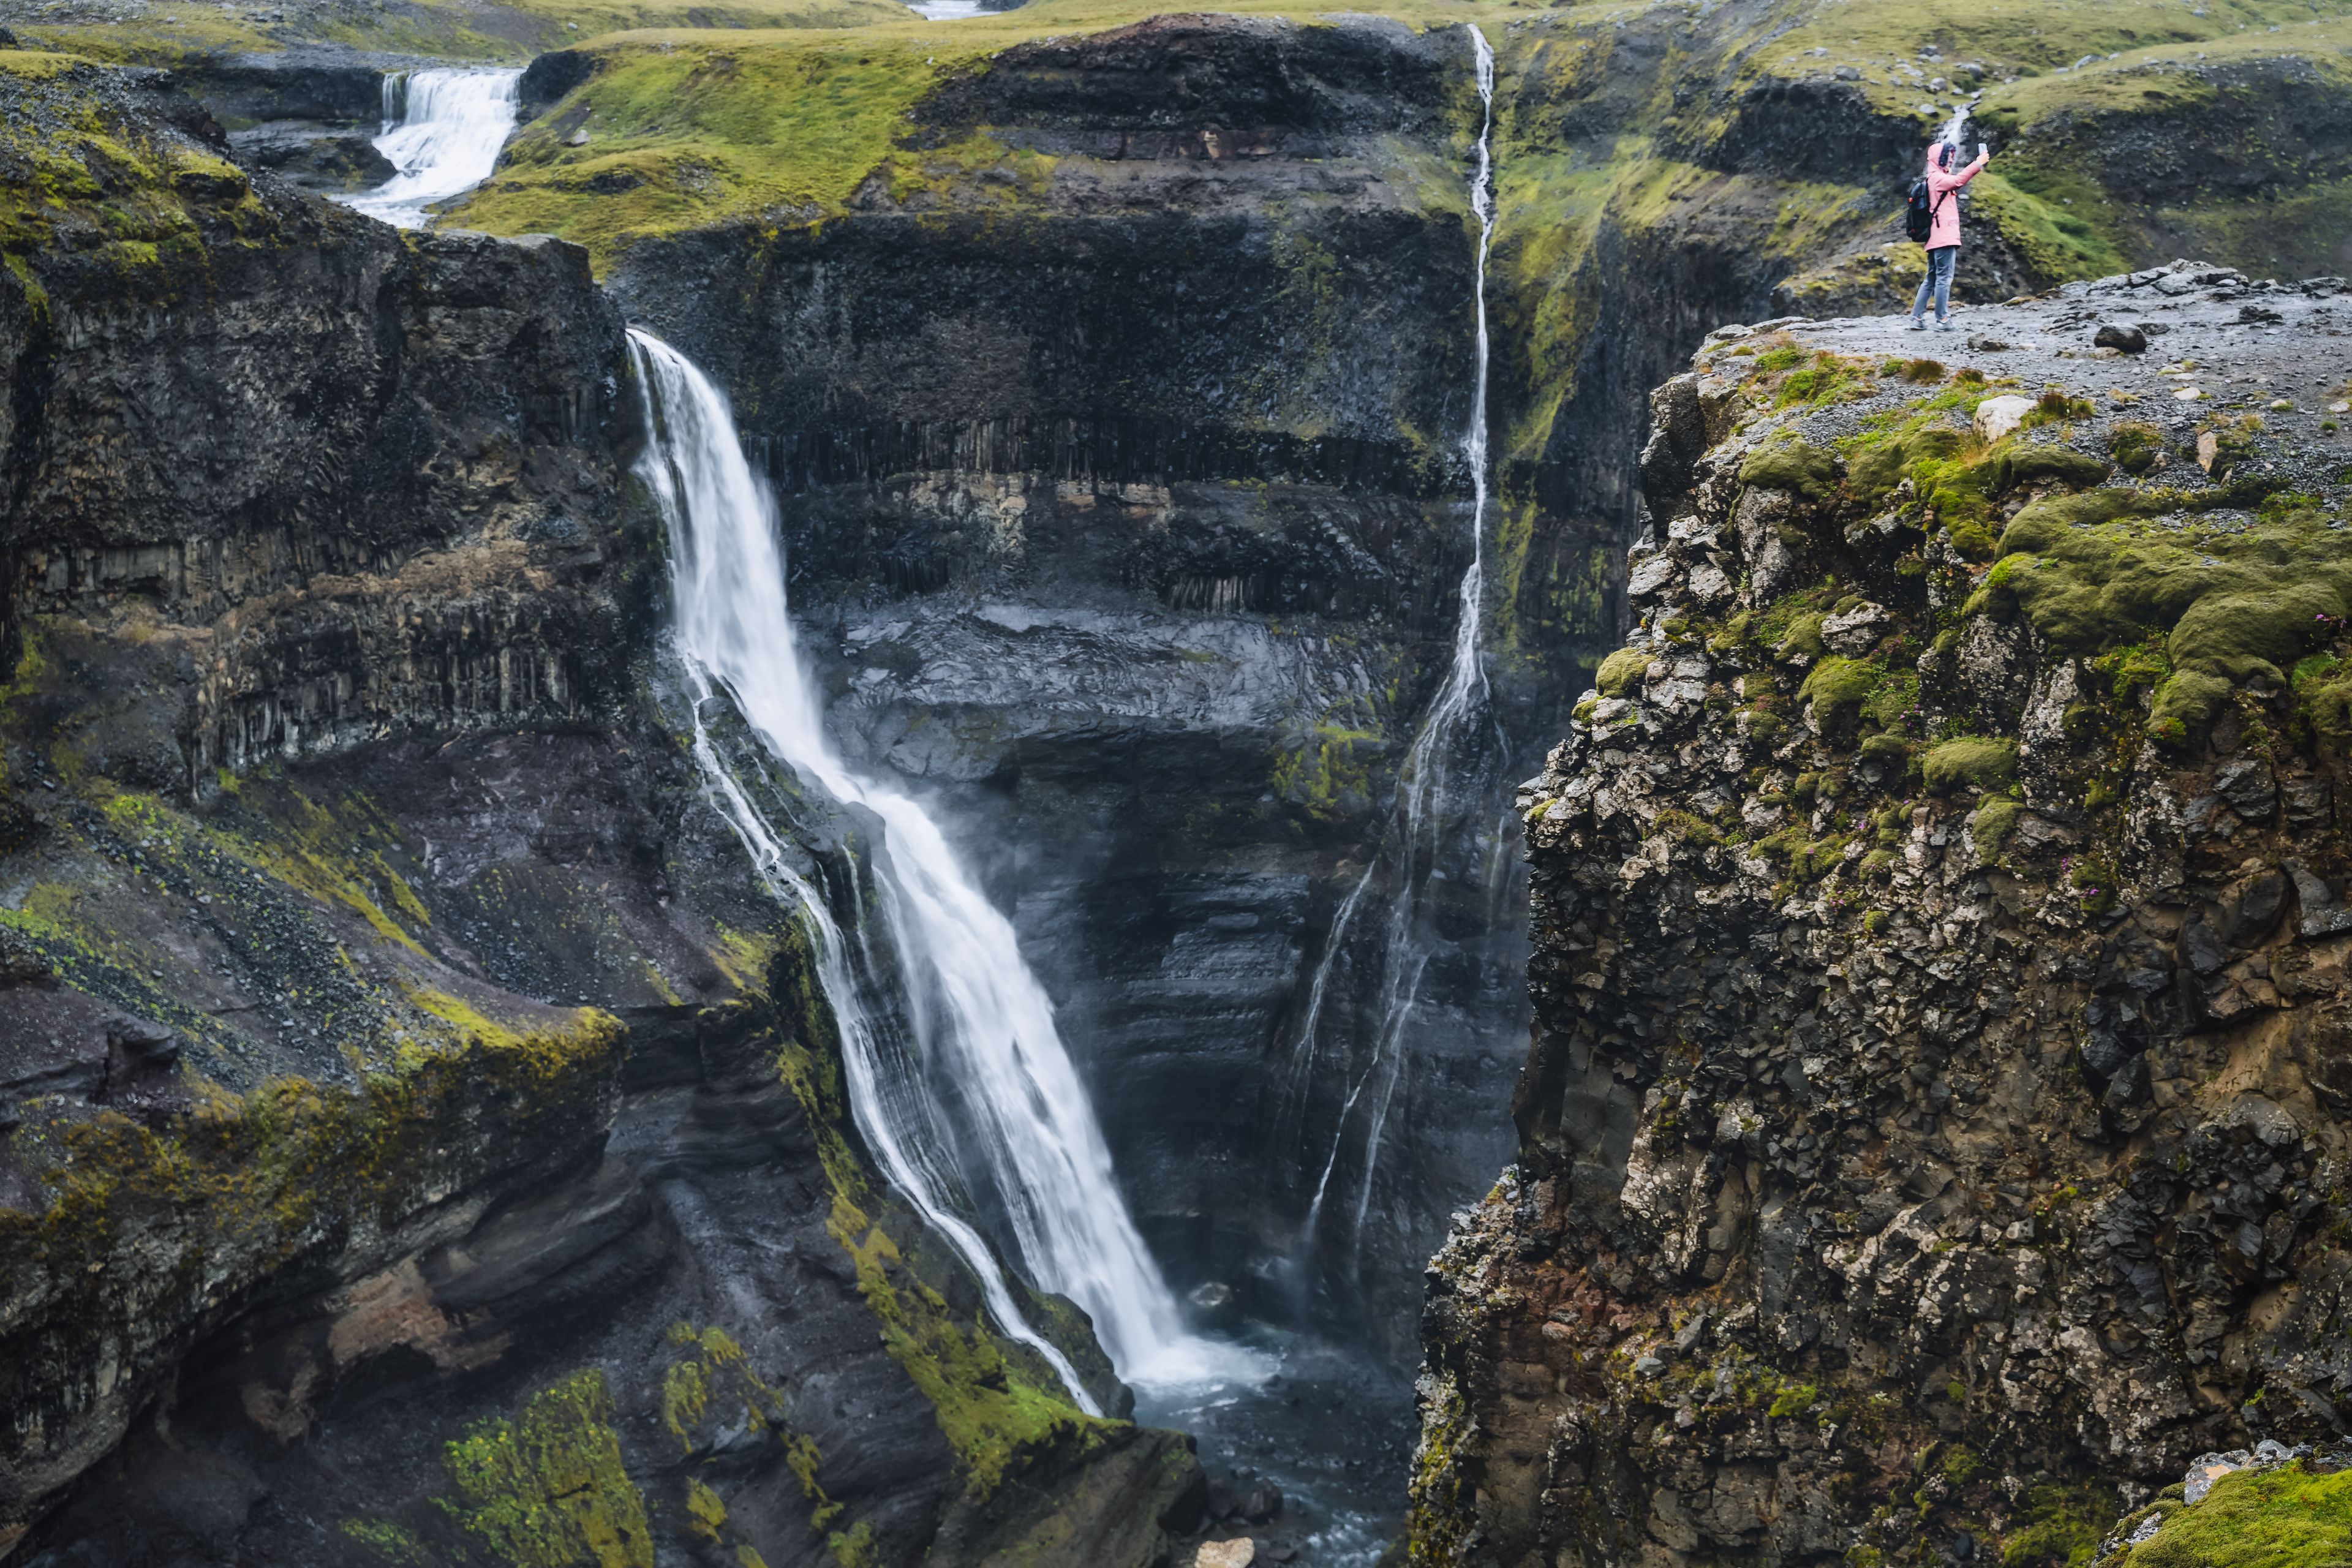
(1971, 762)
(1621, 671)
(994, 1417)
(548, 1488)
(1000, 1407)
(1837, 686)
(2097, 571)
(2285, 1517)
(1794, 465)
(684, 129)
(79, 173)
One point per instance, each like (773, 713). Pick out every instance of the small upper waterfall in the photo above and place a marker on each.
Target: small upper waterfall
(1957, 123)
(443, 130)
(971, 1022)
(1409, 848)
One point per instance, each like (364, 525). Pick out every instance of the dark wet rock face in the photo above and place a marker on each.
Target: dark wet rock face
(1928, 1140)
(421, 1136)
(1128, 527)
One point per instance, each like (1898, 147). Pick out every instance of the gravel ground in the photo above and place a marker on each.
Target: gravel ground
(2219, 348)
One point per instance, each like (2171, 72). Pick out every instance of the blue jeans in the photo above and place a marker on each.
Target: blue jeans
(1937, 284)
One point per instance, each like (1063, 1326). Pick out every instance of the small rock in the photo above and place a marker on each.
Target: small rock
(1708, 584)
(2189, 395)
(2117, 335)
(578, 137)
(2205, 1469)
(1651, 577)
(1261, 1502)
(1856, 632)
(1238, 1553)
(1997, 417)
(1648, 1366)
(2209, 447)
(1846, 73)
(2339, 406)
(2282, 406)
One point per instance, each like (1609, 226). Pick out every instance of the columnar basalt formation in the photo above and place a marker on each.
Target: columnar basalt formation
(1935, 1118)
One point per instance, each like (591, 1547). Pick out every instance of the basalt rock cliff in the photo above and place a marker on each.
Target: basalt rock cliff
(1131, 518)
(1935, 1129)
(421, 1136)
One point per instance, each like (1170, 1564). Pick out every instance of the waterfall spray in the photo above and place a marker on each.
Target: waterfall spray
(973, 1019)
(1411, 840)
(443, 132)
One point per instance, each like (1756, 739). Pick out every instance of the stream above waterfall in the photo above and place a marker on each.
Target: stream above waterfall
(443, 130)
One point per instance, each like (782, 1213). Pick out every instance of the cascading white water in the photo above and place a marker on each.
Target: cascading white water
(975, 1018)
(1950, 133)
(1409, 844)
(442, 131)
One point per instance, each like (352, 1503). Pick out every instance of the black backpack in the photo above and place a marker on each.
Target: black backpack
(1919, 213)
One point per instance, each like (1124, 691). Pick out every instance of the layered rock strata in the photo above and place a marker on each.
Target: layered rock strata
(420, 1134)
(1934, 1122)
(1129, 507)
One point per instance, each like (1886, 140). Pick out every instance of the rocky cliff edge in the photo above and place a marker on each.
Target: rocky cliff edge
(1933, 1133)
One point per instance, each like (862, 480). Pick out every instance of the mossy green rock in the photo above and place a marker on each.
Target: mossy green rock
(2283, 1518)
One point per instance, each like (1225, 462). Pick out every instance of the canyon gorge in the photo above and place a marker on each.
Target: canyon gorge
(763, 783)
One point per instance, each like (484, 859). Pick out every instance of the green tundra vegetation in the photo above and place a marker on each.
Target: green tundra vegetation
(781, 109)
(2285, 1517)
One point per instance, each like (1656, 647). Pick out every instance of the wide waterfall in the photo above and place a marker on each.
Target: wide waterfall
(1410, 847)
(443, 130)
(971, 1022)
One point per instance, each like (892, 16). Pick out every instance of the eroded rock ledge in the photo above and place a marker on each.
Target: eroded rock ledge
(1935, 1123)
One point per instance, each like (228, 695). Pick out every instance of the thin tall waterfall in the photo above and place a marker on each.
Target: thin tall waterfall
(442, 131)
(971, 1017)
(1410, 843)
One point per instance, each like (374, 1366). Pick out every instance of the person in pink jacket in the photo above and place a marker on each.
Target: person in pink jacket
(1944, 237)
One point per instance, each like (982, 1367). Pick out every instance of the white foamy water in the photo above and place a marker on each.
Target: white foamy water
(975, 1019)
(947, 10)
(1409, 847)
(1950, 133)
(443, 130)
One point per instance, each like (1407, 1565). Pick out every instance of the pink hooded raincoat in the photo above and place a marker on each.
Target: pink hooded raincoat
(1944, 200)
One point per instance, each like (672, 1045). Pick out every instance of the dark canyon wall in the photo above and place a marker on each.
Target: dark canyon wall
(420, 1137)
(1127, 524)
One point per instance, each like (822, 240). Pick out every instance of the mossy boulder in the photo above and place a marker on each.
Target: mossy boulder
(1837, 689)
(1621, 671)
(1971, 761)
(2105, 568)
(2256, 632)
(1793, 465)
